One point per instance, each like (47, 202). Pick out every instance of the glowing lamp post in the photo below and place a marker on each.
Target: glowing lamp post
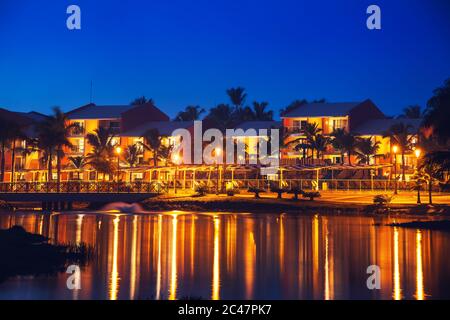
(395, 150)
(118, 152)
(417, 152)
(217, 152)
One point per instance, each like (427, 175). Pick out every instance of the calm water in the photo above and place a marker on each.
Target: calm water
(238, 256)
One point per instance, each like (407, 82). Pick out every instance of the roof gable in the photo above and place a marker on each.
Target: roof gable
(93, 111)
(322, 109)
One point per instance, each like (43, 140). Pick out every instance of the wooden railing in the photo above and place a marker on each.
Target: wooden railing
(165, 186)
(83, 187)
(306, 184)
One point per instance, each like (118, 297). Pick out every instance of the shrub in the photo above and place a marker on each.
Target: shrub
(295, 191)
(310, 194)
(382, 199)
(201, 189)
(256, 191)
(279, 191)
(231, 188)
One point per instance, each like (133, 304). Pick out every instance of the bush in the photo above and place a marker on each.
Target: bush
(256, 191)
(382, 199)
(278, 190)
(310, 194)
(201, 189)
(231, 188)
(295, 191)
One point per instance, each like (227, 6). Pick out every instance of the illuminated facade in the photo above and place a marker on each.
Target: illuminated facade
(129, 123)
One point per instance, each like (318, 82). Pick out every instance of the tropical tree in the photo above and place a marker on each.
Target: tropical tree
(400, 135)
(243, 114)
(237, 97)
(366, 148)
(259, 112)
(9, 133)
(345, 142)
(320, 144)
(420, 179)
(78, 163)
(411, 112)
(101, 140)
(142, 100)
(190, 113)
(433, 168)
(131, 156)
(222, 116)
(164, 153)
(312, 132)
(53, 134)
(13, 134)
(31, 146)
(437, 113)
(153, 143)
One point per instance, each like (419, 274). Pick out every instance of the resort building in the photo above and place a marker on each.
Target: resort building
(363, 119)
(129, 124)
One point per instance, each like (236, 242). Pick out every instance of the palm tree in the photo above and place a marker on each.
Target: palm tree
(411, 112)
(437, 113)
(260, 113)
(400, 135)
(99, 158)
(14, 133)
(366, 148)
(31, 145)
(77, 163)
(153, 143)
(190, 113)
(312, 131)
(320, 143)
(338, 141)
(131, 156)
(433, 169)
(9, 133)
(237, 97)
(53, 135)
(345, 142)
(222, 116)
(164, 153)
(142, 100)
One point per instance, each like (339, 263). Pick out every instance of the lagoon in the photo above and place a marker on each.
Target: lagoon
(178, 255)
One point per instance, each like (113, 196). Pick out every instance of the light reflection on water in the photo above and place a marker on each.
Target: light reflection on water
(232, 256)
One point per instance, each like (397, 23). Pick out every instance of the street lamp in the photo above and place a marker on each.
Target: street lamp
(118, 152)
(417, 153)
(395, 150)
(217, 152)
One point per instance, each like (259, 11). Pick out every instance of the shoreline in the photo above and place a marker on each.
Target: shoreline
(265, 204)
(271, 205)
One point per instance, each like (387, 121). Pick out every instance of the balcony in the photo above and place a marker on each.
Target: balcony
(77, 131)
(294, 130)
(77, 150)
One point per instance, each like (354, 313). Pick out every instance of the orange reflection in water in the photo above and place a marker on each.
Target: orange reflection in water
(232, 256)
(419, 273)
(397, 288)
(216, 265)
(114, 281)
(173, 263)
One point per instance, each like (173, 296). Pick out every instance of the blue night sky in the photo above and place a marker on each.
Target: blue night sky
(188, 52)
